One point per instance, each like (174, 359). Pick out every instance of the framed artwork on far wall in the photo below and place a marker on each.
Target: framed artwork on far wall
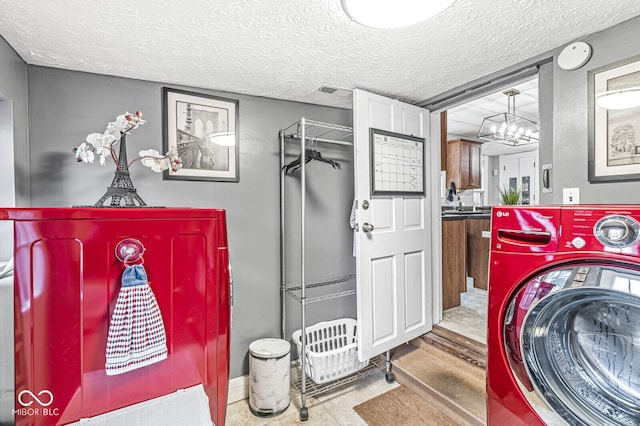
(614, 134)
(203, 129)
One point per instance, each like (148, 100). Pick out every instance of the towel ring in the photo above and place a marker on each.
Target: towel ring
(133, 260)
(129, 251)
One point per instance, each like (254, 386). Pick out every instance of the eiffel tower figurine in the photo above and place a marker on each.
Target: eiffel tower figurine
(121, 192)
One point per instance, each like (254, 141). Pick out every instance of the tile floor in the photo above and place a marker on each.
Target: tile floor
(470, 318)
(336, 406)
(331, 408)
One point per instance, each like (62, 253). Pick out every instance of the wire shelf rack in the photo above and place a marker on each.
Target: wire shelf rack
(313, 388)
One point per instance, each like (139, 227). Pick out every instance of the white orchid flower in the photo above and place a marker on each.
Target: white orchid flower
(127, 121)
(122, 123)
(101, 140)
(154, 160)
(84, 153)
(113, 130)
(174, 160)
(102, 144)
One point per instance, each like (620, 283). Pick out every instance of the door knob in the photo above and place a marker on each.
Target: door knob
(367, 227)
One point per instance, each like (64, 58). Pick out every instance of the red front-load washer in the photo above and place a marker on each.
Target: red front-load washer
(563, 341)
(68, 273)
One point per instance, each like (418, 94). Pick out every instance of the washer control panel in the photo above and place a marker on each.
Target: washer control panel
(610, 228)
(617, 231)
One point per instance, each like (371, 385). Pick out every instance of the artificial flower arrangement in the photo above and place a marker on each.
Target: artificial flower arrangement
(103, 146)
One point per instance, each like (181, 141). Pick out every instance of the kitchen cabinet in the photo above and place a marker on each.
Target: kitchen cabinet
(454, 261)
(478, 248)
(463, 163)
(465, 252)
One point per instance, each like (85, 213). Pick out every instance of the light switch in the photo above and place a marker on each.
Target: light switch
(570, 195)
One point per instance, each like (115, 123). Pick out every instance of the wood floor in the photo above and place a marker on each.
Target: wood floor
(457, 345)
(448, 371)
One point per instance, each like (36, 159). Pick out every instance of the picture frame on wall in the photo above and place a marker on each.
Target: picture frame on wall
(203, 130)
(614, 134)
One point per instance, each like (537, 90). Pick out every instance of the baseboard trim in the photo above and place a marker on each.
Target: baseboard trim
(238, 389)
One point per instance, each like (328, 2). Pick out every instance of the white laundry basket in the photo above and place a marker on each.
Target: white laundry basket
(269, 376)
(332, 350)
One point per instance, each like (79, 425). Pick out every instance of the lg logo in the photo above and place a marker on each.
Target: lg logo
(500, 214)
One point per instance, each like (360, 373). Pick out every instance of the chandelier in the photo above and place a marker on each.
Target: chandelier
(507, 128)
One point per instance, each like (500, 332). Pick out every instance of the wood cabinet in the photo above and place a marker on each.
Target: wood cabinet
(454, 262)
(463, 163)
(465, 252)
(478, 248)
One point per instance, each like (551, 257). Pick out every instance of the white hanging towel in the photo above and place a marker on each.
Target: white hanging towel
(136, 336)
(354, 224)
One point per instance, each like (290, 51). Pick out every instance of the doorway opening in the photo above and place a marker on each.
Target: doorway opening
(501, 166)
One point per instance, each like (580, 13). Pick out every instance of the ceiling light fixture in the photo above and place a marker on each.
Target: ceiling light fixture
(393, 14)
(619, 98)
(507, 128)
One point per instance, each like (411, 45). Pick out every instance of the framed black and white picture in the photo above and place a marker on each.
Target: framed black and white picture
(614, 134)
(203, 129)
(397, 163)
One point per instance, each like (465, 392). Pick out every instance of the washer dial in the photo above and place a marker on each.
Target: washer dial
(617, 231)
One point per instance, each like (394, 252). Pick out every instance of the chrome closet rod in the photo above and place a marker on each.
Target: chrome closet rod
(335, 142)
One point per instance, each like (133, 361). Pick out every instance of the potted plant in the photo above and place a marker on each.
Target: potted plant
(510, 195)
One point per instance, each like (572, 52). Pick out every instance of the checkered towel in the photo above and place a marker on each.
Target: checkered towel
(136, 332)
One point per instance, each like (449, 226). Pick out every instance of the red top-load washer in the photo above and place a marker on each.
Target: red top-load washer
(563, 342)
(67, 279)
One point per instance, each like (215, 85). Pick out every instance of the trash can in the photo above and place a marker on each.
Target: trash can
(269, 382)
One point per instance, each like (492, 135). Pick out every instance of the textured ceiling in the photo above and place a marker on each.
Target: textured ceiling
(287, 49)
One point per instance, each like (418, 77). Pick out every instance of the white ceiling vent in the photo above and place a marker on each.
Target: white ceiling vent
(328, 89)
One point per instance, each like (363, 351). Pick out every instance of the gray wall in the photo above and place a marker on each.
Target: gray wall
(545, 100)
(14, 177)
(13, 88)
(66, 106)
(8, 181)
(570, 120)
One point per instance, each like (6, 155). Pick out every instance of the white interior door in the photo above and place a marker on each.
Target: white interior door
(527, 178)
(509, 169)
(519, 171)
(393, 262)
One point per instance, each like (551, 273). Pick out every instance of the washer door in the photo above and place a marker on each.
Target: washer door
(573, 338)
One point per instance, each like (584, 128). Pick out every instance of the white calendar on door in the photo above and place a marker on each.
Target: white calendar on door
(397, 163)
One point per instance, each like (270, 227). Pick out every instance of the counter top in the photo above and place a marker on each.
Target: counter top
(465, 215)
